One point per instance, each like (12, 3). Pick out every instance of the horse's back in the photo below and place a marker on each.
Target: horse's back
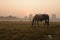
(46, 16)
(41, 17)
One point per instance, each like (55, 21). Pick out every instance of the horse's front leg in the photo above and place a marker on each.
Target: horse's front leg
(35, 23)
(38, 23)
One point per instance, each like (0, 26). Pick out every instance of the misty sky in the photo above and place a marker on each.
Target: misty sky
(20, 8)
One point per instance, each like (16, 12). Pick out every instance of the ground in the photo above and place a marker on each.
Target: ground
(17, 30)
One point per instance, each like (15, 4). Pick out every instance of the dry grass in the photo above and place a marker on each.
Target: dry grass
(24, 31)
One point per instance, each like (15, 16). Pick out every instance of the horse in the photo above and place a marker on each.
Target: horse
(40, 17)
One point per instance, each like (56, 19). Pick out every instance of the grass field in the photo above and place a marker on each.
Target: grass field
(24, 31)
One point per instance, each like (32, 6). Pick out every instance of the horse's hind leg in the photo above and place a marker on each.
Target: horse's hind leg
(45, 23)
(48, 23)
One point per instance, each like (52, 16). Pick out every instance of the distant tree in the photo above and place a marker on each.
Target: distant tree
(10, 16)
(1, 16)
